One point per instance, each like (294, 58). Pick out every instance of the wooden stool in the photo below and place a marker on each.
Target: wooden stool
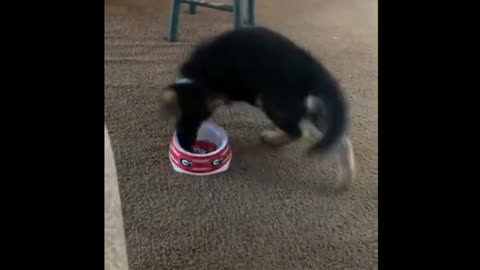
(236, 9)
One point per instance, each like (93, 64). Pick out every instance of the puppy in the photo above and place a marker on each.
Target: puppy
(265, 69)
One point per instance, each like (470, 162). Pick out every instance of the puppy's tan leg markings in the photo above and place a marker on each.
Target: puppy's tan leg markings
(309, 131)
(215, 103)
(275, 137)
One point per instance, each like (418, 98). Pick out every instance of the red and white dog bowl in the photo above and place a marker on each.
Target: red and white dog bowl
(212, 152)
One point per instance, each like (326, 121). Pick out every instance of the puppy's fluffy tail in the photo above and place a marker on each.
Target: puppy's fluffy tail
(335, 116)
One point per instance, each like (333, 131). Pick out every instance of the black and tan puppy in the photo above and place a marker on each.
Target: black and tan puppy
(265, 69)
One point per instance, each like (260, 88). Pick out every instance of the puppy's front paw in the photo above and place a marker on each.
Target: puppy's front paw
(275, 138)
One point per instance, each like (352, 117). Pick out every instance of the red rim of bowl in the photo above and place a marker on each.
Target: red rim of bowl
(209, 169)
(222, 146)
(223, 153)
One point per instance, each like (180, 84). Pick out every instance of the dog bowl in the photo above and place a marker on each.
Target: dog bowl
(212, 153)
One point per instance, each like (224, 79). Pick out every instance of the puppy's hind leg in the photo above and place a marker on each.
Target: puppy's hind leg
(284, 134)
(346, 164)
(287, 122)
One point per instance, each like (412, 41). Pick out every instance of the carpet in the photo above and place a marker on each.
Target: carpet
(273, 209)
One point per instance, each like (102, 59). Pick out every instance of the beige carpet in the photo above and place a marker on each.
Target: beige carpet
(273, 209)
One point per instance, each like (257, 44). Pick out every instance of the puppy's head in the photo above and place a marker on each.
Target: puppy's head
(188, 101)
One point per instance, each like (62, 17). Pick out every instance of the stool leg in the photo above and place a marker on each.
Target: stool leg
(251, 12)
(173, 23)
(192, 9)
(237, 14)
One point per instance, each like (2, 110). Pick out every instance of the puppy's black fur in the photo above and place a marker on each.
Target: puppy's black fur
(265, 69)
